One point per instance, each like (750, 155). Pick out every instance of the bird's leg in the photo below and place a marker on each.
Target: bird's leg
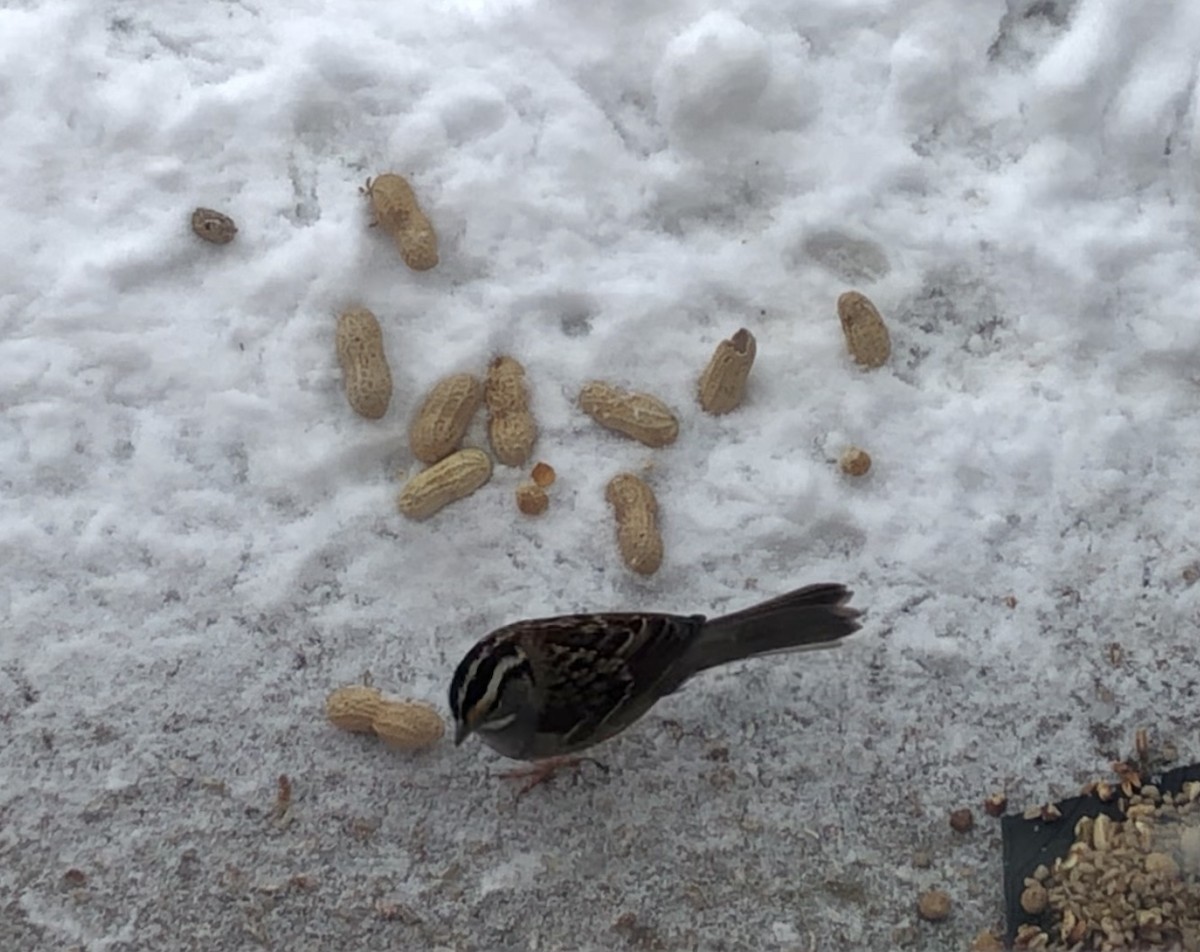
(540, 771)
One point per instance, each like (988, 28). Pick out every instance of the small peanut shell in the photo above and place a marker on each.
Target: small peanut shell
(723, 383)
(353, 707)
(408, 725)
(1034, 899)
(511, 427)
(636, 512)
(933, 906)
(866, 334)
(444, 416)
(986, 941)
(213, 227)
(543, 474)
(855, 461)
(399, 214)
(453, 478)
(637, 415)
(532, 499)
(365, 374)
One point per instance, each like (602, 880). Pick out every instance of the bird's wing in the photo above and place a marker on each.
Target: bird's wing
(599, 673)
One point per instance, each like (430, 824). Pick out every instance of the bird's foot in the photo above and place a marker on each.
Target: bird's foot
(542, 771)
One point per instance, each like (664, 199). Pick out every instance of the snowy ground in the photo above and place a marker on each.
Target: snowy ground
(199, 539)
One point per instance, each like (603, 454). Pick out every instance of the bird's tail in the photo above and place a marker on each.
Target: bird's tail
(815, 616)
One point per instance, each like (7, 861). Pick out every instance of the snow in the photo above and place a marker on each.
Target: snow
(200, 540)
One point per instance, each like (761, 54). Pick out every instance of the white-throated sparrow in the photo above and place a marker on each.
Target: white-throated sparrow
(548, 687)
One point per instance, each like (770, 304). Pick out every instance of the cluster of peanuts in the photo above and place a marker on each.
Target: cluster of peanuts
(441, 422)
(446, 412)
(437, 430)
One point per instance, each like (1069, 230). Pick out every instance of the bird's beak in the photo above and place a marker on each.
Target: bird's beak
(461, 733)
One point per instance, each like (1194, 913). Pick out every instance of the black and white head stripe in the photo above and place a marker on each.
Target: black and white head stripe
(481, 674)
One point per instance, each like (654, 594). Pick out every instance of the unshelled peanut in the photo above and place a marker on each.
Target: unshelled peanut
(366, 377)
(866, 335)
(636, 513)
(723, 383)
(637, 415)
(399, 214)
(408, 725)
(511, 427)
(455, 477)
(445, 414)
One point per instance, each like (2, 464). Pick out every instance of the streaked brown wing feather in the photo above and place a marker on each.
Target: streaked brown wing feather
(601, 672)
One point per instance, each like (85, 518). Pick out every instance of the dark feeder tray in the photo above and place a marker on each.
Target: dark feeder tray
(1029, 844)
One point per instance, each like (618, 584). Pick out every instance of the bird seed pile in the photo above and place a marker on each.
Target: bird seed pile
(1124, 884)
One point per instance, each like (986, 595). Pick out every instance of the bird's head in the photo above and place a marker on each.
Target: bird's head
(490, 688)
